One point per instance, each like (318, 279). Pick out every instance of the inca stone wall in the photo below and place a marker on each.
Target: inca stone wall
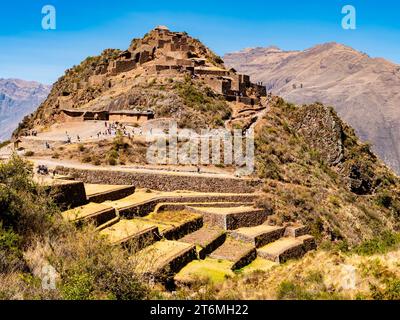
(163, 181)
(146, 207)
(111, 195)
(69, 194)
(233, 221)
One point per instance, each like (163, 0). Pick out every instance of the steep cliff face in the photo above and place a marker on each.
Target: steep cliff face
(364, 91)
(18, 98)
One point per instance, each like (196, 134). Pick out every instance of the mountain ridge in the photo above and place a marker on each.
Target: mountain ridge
(363, 90)
(17, 99)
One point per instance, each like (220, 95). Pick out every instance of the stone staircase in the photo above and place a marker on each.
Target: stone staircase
(133, 232)
(185, 236)
(284, 249)
(100, 214)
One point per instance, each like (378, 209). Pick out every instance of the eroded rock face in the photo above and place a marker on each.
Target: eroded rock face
(322, 128)
(325, 132)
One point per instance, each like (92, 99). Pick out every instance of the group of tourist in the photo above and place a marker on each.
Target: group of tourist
(112, 128)
(43, 170)
(31, 133)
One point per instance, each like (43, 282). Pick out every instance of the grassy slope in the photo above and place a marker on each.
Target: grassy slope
(301, 184)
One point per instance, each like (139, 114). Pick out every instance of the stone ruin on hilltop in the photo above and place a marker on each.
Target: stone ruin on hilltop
(166, 53)
(159, 54)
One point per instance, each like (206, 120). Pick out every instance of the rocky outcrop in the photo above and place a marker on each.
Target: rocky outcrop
(326, 133)
(323, 130)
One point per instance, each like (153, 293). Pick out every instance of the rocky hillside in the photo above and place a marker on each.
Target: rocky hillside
(364, 91)
(167, 72)
(18, 98)
(317, 171)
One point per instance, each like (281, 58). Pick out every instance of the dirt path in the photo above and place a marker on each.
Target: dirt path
(260, 116)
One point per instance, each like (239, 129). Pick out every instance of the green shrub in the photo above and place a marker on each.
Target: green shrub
(384, 199)
(112, 161)
(218, 122)
(10, 250)
(317, 228)
(290, 291)
(386, 242)
(334, 200)
(77, 286)
(27, 213)
(29, 154)
(87, 159)
(390, 292)
(113, 154)
(9, 241)
(119, 144)
(310, 288)
(25, 207)
(81, 148)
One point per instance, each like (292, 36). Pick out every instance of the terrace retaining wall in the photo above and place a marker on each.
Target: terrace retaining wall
(163, 181)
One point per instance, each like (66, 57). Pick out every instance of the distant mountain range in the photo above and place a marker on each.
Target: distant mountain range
(364, 91)
(18, 98)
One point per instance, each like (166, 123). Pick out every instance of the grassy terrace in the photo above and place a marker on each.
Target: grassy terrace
(213, 270)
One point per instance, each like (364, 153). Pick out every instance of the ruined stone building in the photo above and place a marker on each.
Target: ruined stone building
(123, 116)
(163, 52)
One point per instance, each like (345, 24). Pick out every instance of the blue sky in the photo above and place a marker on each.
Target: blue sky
(87, 27)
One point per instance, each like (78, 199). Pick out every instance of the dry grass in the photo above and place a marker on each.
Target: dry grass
(319, 275)
(86, 265)
(33, 236)
(117, 151)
